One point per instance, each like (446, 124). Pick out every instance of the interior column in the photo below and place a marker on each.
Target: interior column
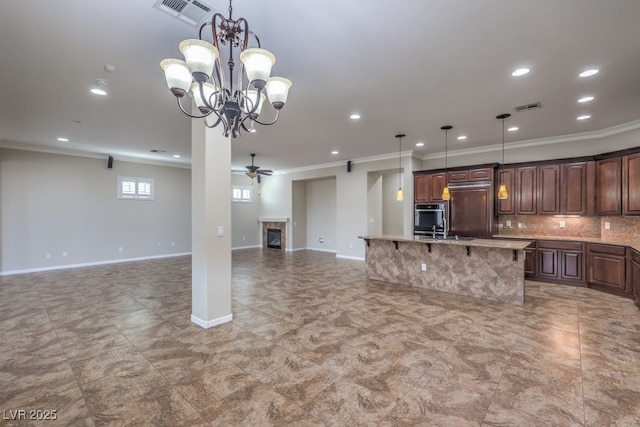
(210, 225)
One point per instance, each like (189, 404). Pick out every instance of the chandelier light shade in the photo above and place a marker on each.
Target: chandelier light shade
(445, 191)
(503, 193)
(234, 101)
(399, 193)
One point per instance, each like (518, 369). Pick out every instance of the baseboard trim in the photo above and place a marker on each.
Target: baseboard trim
(356, 258)
(246, 247)
(90, 264)
(211, 323)
(321, 250)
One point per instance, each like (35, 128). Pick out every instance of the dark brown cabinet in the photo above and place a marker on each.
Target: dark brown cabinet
(634, 274)
(556, 261)
(631, 184)
(525, 194)
(507, 177)
(609, 186)
(576, 188)
(548, 202)
(607, 267)
(428, 187)
(470, 212)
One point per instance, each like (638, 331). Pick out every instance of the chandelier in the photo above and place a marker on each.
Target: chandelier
(234, 101)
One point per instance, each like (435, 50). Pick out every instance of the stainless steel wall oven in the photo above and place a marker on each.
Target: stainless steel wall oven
(430, 219)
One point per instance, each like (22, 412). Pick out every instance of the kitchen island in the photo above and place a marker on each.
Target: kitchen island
(488, 269)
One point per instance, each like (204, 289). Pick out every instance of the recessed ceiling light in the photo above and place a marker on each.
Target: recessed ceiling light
(97, 91)
(61, 139)
(588, 73)
(585, 117)
(586, 99)
(177, 156)
(354, 116)
(462, 137)
(334, 152)
(520, 72)
(420, 144)
(513, 129)
(110, 68)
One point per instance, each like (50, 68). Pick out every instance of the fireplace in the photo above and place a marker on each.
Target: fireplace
(274, 232)
(274, 238)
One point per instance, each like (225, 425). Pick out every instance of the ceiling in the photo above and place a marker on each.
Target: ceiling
(406, 66)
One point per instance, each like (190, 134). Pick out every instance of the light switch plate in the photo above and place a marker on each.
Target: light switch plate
(220, 230)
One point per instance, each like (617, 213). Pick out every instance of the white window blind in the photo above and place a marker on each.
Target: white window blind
(136, 188)
(241, 193)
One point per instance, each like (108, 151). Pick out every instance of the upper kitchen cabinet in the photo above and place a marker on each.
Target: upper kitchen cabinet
(549, 190)
(577, 188)
(525, 196)
(631, 184)
(609, 186)
(507, 177)
(428, 187)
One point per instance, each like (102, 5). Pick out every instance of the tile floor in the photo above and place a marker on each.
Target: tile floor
(312, 343)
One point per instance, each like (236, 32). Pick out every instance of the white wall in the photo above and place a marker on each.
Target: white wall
(299, 215)
(392, 209)
(52, 203)
(374, 203)
(321, 214)
(245, 228)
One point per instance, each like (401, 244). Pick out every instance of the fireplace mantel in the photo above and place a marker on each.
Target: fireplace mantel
(273, 219)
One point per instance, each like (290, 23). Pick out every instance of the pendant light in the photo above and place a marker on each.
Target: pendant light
(502, 190)
(445, 191)
(400, 194)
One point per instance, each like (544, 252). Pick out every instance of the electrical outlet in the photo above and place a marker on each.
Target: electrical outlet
(509, 223)
(120, 249)
(48, 256)
(424, 266)
(173, 243)
(562, 224)
(607, 225)
(65, 254)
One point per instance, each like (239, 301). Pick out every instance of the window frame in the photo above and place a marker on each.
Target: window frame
(138, 190)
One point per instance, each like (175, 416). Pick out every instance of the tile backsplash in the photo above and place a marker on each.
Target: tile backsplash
(539, 225)
(620, 227)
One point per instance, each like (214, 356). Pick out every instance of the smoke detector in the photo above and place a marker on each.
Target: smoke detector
(193, 12)
(528, 107)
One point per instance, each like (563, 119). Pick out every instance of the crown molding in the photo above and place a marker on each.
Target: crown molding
(377, 158)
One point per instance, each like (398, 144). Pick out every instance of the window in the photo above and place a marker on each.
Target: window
(136, 188)
(241, 193)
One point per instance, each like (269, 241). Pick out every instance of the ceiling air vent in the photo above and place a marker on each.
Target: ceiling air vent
(528, 107)
(192, 12)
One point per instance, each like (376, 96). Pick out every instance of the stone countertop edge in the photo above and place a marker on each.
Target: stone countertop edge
(484, 243)
(634, 244)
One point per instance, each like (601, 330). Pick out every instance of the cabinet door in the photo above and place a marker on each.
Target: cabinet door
(458, 176)
(525, 197)
(549, 190)
(482, 174)
(530, 262)
(573, 189)
(608, 186)
(436, 185)
(572, 265)
(634, 279)
(547, 262)
(607, 267)
(507, 206)
(470, 212)
(631, 184)
(421, 188)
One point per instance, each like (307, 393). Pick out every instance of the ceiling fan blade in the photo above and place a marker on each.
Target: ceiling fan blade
(266, 172)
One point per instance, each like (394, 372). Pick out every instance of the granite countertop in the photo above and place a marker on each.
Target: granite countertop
(485, 243)
(635, 244)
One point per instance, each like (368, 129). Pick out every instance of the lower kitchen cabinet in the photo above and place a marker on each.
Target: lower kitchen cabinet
(555, 261)
(607, 268)
(634, 274)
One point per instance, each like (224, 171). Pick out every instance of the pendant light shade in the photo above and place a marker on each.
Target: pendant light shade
(503, 193)
(399, 193)
(445, 191)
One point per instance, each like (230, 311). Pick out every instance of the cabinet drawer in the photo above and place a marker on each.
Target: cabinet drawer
(607, 249)
(553, 244)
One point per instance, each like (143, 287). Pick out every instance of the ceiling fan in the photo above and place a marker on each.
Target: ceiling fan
(253, 170)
